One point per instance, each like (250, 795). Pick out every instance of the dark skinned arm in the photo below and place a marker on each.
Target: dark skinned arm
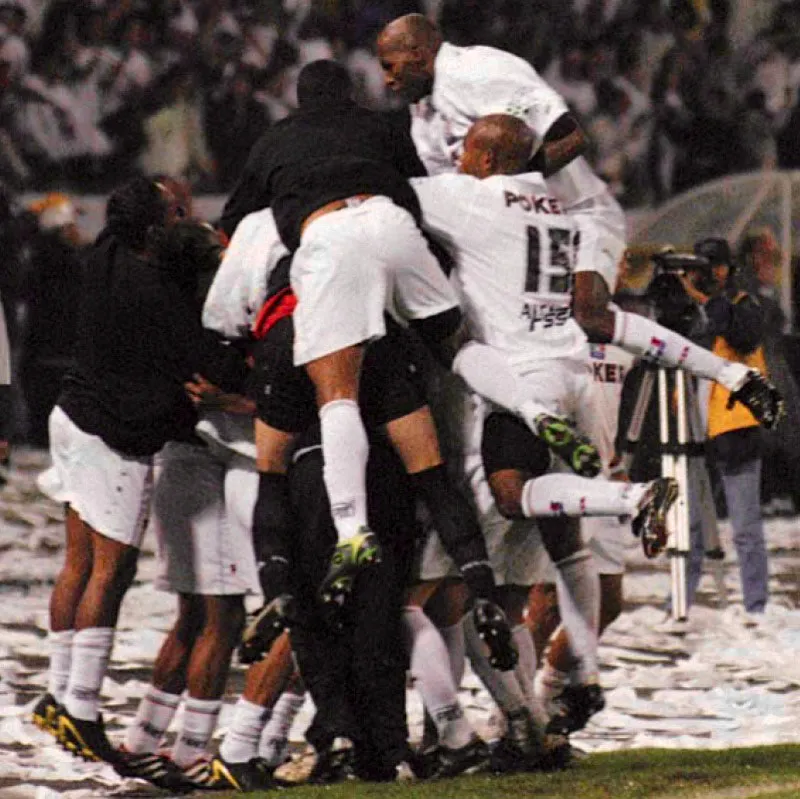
(590, 307)
(563, 142)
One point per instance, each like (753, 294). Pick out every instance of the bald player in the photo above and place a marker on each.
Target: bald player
(449, 88)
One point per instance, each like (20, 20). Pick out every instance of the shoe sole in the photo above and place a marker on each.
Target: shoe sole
(574, 449)
(653, 526)
(338, 583)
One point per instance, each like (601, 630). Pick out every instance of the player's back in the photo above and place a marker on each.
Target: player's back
(514, 251)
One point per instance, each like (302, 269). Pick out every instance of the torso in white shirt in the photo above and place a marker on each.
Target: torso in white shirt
(514, 251)
(472, 82)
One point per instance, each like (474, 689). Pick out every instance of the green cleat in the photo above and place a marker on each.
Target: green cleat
(571, 446)
(349, 558)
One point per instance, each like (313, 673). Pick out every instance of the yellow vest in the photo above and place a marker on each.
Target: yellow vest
(722, 419)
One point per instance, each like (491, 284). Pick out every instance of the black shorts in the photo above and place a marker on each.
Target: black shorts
(508, 443)
(391, 385)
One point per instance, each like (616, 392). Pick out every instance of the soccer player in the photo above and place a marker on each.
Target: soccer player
(139, 338)
(334, 175)
(450, 88)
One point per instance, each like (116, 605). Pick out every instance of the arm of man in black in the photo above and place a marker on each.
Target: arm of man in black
(251, 192)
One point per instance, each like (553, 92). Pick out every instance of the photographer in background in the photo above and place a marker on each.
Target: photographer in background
(732, 327)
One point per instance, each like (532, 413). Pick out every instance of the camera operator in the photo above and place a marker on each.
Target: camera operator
(732, 326)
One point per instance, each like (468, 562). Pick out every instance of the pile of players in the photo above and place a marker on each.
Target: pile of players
(331, 323)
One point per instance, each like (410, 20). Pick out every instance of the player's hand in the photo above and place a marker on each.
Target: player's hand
(205, 394)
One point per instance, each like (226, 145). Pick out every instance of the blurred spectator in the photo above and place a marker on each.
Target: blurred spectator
(48, 298)
(175, 136)
(233, 123)
(760, 258)
(695, 106)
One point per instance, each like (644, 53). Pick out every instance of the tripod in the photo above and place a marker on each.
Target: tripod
(681, 450)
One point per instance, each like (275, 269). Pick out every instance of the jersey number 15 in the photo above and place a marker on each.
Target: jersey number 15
(550, 262)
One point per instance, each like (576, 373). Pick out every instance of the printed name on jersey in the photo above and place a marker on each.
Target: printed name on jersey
(532, 202)
(545, 316)
(609, 372)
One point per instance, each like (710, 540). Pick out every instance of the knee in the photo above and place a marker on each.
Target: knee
(116, 572)
(224, 618)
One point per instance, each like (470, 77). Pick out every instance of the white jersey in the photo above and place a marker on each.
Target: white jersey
(609, 365)
(471, 82)
(240, 285)
(514, 251)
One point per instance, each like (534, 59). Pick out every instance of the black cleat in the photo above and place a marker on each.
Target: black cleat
(88, 740)
(575, 449)
(157, 770)
(44, 714)
(575, 705)
(265, 627)
(334, 764)
(495, 631)
(650, 523)
(469, 759)
(761, 398)
(349, 558)
(216, 774)
(521, 748)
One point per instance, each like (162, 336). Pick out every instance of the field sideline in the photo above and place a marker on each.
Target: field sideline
(747, 773)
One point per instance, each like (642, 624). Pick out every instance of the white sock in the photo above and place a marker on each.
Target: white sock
(578, 590)
(199, 722)
(453, 637)
(488, 373)
(240, 744)
(274, 743)
(550, 681)
(430, 668)
(571, 495)
(91, 650)
(526, 665)
(502, 686)
(345, 449)
(153, 717)
(643, 336)
(60, 644)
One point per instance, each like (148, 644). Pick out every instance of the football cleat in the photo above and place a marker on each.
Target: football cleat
(574, 707)
(334, 764)
(468, 759)
(521, 748)
(349, 558)
(216, 774)
(87, 739)
(650, 523)
(44, 714)
(158, 770)
(494, 630)
(761, 398)
(575, 449)
(265, 626)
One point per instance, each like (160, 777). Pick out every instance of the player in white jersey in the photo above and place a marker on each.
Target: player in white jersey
(605, 537)
(451, 87)
(513, 251)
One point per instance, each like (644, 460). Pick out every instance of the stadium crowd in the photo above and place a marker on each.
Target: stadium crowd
(366, 392)
(672, 93)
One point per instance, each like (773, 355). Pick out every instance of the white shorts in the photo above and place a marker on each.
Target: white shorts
(516, 553)
(202, 516)
(602, 240)
(567, 388)
(108, 490)
(354, 264)
(607, 539)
